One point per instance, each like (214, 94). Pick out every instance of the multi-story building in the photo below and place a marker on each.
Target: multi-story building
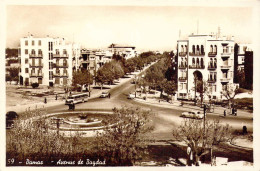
(124, 50)
(92, 60)
(209, 58)
(47, 61)
(240, 55)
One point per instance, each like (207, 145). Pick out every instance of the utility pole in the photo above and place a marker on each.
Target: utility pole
(135, 86)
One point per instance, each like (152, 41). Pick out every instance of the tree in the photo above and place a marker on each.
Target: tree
(202, 140)
(14, 74)
(229, 92)
(169, 87)
(124, 142)
(82, 78)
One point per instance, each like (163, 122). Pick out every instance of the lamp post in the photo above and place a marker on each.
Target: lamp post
(135, 86)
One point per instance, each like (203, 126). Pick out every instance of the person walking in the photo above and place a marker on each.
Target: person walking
(109, 95)
(224, 112)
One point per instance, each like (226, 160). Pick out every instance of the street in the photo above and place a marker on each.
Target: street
(165, 119)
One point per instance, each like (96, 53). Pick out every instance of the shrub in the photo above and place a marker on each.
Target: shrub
(35, 85)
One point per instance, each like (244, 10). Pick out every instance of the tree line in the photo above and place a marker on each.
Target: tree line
(115, 69)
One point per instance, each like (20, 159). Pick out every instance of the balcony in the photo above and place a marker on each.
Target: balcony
(36, 75)
(212, 54)
(225, 55)
(225, 67)
(182, 53)
(211, 80)
(60, 75)
(197, 54)
(197, 67)
(182, 66)
(36, 65)
(60, 55)
(224, 80)
(212, 67)
(35, 56)
(60, 65)
(182, 79)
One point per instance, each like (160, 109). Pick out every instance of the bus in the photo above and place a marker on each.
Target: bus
(76, 98)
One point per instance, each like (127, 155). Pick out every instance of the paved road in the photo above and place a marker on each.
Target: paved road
(165, 119)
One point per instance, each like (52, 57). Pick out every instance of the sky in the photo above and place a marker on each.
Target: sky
(146, 27)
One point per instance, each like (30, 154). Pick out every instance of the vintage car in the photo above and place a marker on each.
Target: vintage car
(193, 114)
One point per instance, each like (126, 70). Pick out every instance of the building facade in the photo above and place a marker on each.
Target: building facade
(47, 61)
(125, 51)
(207, 58)
(92, 60)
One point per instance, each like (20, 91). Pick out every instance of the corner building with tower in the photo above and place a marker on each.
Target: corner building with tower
(209, 58)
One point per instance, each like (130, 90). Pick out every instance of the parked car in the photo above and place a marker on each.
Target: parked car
(11, 116)
(131, 96)
(193, 114)
(104, 95)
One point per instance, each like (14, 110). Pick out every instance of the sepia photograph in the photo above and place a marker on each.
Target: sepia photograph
(140, 84)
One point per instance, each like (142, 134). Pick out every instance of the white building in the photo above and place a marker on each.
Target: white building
(206, 57)
(47, 61)
(124, 50)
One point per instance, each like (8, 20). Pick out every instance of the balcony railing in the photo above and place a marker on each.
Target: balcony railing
(212, 54)
(225, 67)
(225, 55)
(211, 80)
(196, 66)
(60, 55)
(36, 65)
(60, 75)
(35, 56)
(36, 75)
(182, 66)
(224, 79)
(182, 78)
(182, 53)
(60, 65)
(210, 67)
(197, 54)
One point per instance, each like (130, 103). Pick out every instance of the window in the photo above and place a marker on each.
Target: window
(26, 60)
(215, 49)
(33, 52)
(26, 70)
(26, 42)
(186, 49)
(64, 52)
(182, 50)
(39, 42)
(26, 52)
(32, 42)
(211, 48)
(193, 61)
(193, 48)
(40, 52)
(202, 49)
(57, 51)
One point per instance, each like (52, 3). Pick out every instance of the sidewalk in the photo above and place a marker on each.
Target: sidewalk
(176, 105)
(39, 103)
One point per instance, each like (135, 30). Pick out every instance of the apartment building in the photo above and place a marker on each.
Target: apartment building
(124, 50)
(209, 58)
(240, 55)
(47, 61)
(92, 60)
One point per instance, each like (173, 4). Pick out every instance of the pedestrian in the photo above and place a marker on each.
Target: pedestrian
(56, 97)
(108, 95)
(233, 110)
(45, 100)
(224, 112)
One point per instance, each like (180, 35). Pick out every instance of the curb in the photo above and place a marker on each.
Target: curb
(184, 108)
